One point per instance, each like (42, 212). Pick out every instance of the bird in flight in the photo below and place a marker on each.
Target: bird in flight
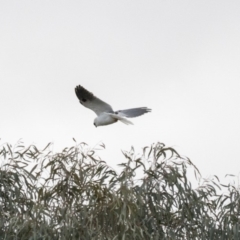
(105, 113)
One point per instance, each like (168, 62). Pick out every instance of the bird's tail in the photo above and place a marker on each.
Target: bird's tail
(120, 118)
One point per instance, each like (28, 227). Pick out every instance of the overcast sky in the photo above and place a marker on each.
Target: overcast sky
(180, 58)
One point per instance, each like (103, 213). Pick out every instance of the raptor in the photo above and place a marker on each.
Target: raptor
(105, 113)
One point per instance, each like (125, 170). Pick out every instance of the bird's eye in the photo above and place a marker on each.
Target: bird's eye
(84, 100)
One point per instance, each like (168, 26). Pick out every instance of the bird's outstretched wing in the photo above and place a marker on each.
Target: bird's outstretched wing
(88, 100)
(133, 112)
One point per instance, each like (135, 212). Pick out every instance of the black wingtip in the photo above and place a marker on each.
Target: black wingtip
(147, 109)
(83, 94)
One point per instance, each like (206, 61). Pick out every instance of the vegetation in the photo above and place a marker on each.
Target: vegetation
(75, 195)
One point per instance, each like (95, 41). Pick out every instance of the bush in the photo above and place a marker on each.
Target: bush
(75, 195)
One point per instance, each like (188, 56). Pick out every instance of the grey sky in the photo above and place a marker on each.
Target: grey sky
(180, 58)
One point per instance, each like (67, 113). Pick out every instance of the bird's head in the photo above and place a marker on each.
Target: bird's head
(95, 123)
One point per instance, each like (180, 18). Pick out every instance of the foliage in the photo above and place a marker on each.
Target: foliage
(75, 195)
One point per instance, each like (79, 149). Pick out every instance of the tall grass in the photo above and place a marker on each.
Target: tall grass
(75, 195)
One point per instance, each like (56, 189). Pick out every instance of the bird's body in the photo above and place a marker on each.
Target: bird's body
(105, 113)
(104, 119)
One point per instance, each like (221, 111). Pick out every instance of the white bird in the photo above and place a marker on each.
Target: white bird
(105, 113)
